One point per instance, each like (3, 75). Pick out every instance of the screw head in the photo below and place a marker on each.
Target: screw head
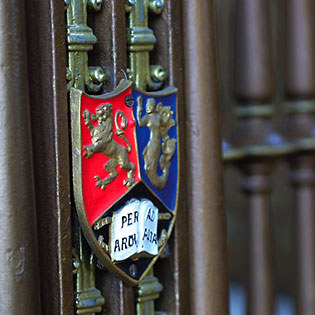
(129, 100)
(156, 6)
(133, 270)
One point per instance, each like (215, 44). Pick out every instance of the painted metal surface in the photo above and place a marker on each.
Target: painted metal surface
(110, 168)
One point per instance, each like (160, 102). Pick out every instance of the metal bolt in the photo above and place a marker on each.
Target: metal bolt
(156, 6)
(97, 74)
(76, 265)
(129, 5)
(157, 73)
(129, 100)
(96, 4)
(133, 270)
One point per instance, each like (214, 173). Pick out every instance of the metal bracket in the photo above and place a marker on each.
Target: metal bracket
(148, 290)
(80, 39)
(140, 41)
(88, 299)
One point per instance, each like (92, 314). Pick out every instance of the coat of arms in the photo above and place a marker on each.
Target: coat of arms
(125, 174)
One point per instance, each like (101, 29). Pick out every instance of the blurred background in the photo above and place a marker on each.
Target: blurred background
(266, 52)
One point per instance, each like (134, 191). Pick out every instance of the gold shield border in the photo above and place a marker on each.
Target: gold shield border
(75, 110)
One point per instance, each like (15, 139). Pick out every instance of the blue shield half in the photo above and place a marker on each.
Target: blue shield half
(157, 140)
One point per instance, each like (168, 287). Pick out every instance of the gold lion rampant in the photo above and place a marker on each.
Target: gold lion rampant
(158, 119)
(103, 142)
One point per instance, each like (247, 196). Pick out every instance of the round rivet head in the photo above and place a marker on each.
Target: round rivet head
(156, 6)
(129, 100)
(133, 270)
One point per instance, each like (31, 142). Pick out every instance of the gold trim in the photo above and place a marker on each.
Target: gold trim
(165, 92)
(169, 90)
(75, 108)
(165, 216)
(122, 86)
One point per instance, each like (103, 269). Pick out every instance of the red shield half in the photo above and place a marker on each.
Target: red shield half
(99, 190)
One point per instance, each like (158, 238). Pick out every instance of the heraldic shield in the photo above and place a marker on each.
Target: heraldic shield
(126, 174)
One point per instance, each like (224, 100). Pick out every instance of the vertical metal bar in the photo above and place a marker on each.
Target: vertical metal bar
(140, 41)
(303, 177)
(118, 296)
(46, 49)
(207, 245)
(110, 53)
(19, 291)
(254, 91)
(80, 40)
(174, 270)
(300, 92)
(300, 48)
(253, 66)
(257, 188)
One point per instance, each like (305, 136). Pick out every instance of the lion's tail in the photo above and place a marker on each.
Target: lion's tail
(119, 132)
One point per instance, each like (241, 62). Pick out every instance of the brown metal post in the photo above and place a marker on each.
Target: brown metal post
(173, 271)
(257, 188)
(303, 178)
(253, 67)
(207, 245)
(46, 33)
(254, 92)
(110, 53)
(300, 92)
(300, 48)
(19, 290)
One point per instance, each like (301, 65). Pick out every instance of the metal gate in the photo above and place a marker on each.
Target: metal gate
(234, 63)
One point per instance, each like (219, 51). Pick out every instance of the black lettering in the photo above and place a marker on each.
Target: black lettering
(131, 240)
(150, 238)
(154, 239)
(123, 242)
(123, 221)
(129, 218)
(145, 235)
(116, 246)
(136, 214)
(150, 215)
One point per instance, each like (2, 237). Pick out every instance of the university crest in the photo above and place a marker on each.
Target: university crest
(126, 174)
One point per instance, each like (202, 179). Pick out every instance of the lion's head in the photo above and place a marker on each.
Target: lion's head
(103, 112)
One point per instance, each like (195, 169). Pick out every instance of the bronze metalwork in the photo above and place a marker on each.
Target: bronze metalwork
(103, 142)
(88, 299)
(140, 41)
(148, 291)
(75, 100)
(159, 119)
(80, 39)
(50, 146)
(173, 270)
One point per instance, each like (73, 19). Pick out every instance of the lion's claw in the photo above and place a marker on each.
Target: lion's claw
(99, 182)
(129, 182)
